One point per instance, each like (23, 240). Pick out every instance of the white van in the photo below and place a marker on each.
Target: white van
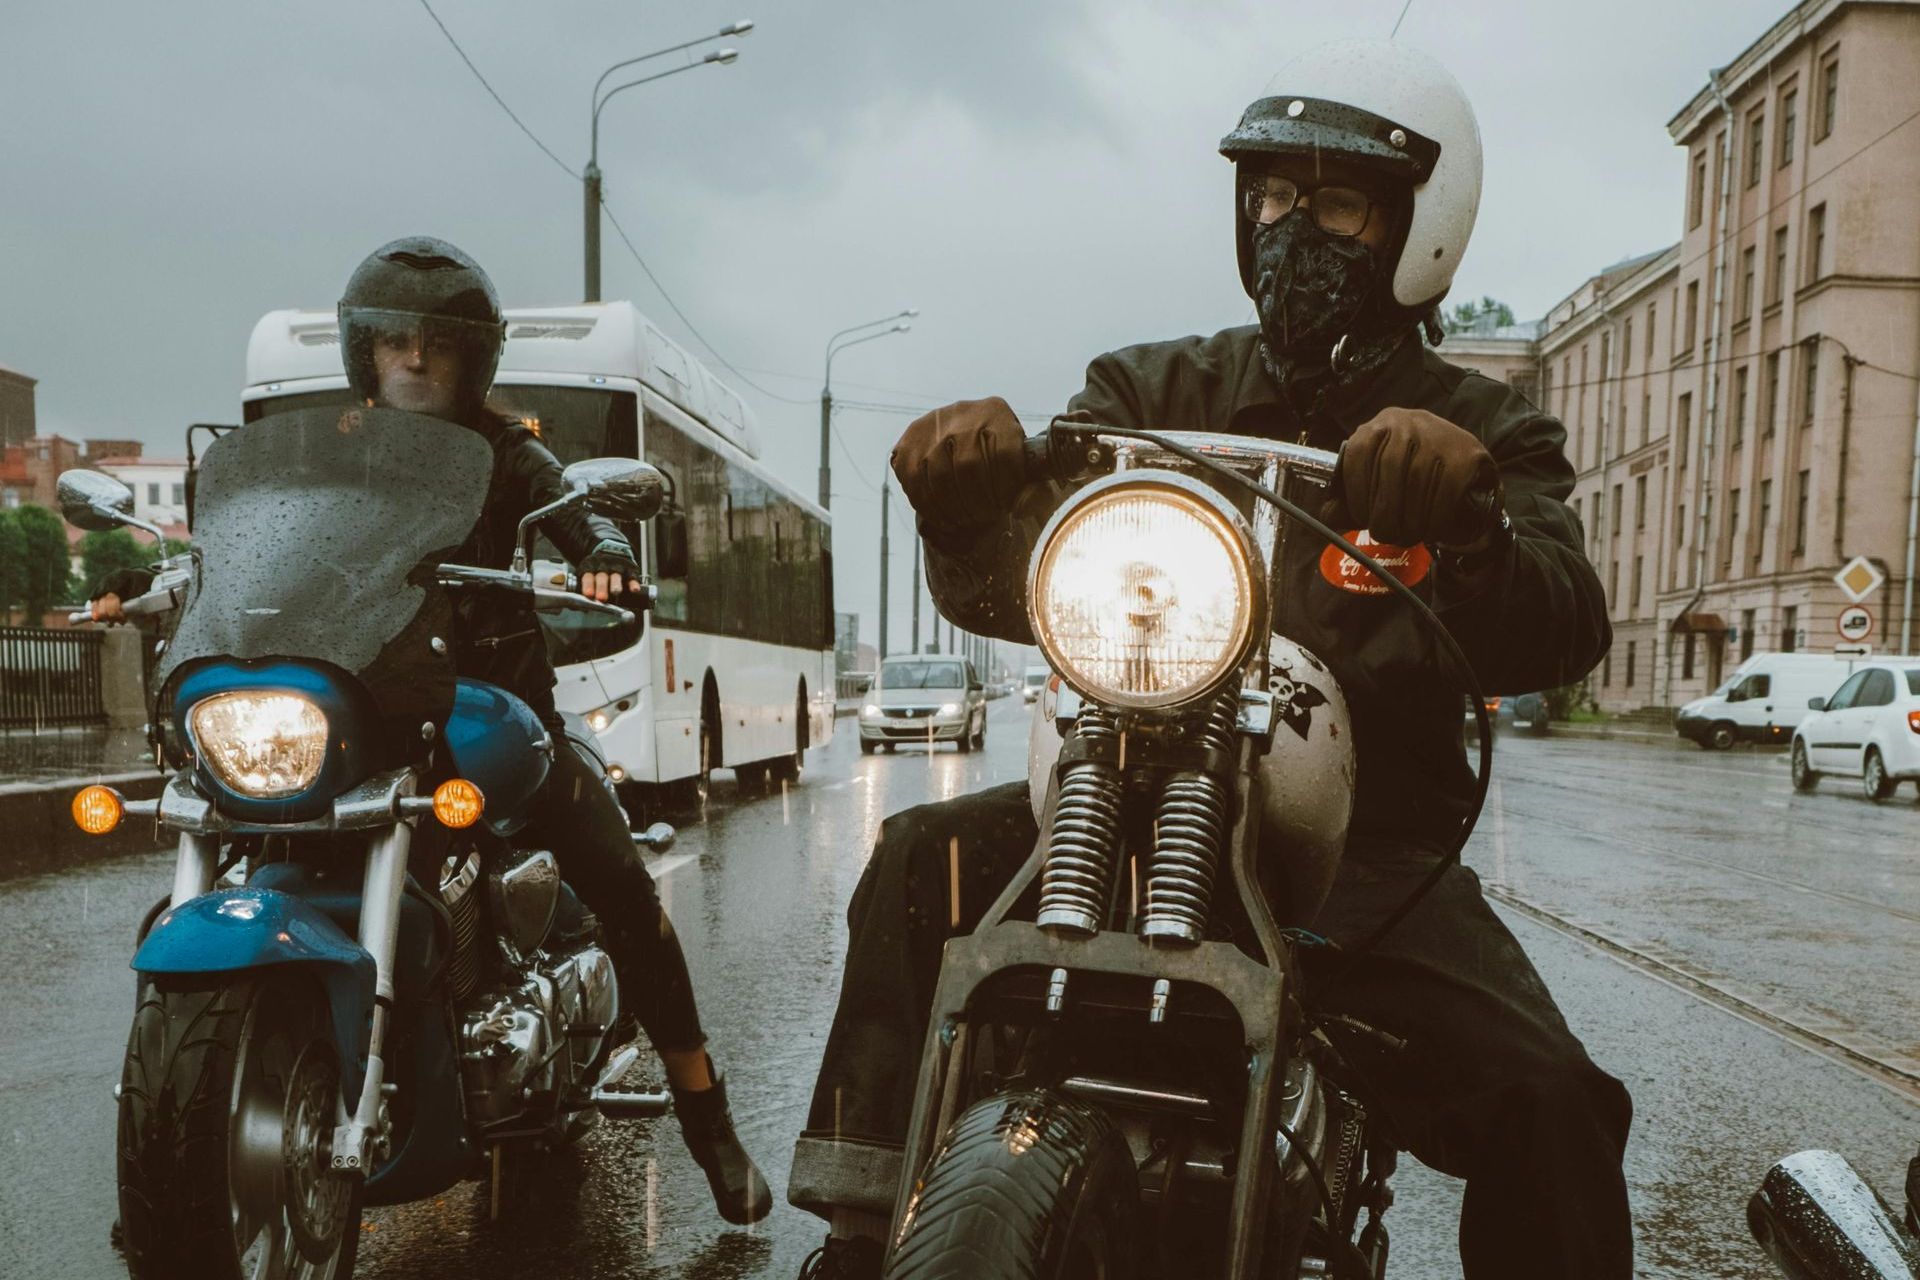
(1764, 699)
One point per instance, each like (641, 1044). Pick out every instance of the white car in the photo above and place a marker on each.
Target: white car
(924, 699)
(1870, 728)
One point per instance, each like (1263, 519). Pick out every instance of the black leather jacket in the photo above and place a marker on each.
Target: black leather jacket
(500, 640)
(1534, 620)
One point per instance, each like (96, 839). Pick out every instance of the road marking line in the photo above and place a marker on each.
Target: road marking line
(1901, 1080)
(666, 866)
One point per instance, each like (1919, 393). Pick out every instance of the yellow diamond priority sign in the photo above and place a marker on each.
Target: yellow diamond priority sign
(1859, 578)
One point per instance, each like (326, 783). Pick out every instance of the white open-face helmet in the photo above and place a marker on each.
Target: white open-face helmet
(1386, 106)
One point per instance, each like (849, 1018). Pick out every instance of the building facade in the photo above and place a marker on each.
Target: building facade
(1743, 408)
(159, 489)
(16, 408)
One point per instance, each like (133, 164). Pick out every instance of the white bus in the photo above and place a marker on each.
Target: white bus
(736, 667)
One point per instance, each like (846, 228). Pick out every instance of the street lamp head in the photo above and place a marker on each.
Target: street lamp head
(739, 28)
(911, 311)
(722, 55)
(902, 327)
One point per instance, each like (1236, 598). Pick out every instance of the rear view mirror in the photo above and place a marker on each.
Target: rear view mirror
(623, 488)
(94, 501)
(1816, 704)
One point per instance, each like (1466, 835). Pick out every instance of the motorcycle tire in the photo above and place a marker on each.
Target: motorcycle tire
(1026, 1186)
(178, 1131)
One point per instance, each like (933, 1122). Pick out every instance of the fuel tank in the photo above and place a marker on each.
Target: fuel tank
(500, 746)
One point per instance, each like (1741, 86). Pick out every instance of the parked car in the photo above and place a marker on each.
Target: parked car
(1763, 700)
(1530, 714)
(1870, 728)
(927, 698)
(1034, 681)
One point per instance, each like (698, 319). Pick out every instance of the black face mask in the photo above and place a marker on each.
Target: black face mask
(1312, 289)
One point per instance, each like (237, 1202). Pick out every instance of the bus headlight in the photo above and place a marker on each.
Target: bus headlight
(264, 745)
(1145, 590)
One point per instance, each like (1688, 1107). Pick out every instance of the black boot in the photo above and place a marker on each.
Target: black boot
(740, 1191)
(843, 1258)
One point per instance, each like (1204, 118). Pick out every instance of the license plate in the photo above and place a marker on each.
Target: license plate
(1523, 724)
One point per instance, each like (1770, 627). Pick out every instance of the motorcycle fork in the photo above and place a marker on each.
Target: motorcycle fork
(194, 865)
(1255, 989)
(380, 894)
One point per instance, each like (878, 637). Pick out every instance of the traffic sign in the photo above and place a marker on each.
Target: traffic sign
(1855, 622)
(1859, 578)
(1853, 651)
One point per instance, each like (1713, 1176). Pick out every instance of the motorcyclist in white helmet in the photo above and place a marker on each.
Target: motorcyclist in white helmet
(1356, 187)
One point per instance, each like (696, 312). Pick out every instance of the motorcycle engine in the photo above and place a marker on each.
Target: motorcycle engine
(541, 1035)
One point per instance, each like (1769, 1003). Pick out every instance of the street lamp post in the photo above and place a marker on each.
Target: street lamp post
(834, 347)
(590, 178)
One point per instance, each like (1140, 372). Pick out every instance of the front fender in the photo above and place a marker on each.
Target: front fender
(235, 930)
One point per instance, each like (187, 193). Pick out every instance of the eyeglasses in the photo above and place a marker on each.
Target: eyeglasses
(1266, 198)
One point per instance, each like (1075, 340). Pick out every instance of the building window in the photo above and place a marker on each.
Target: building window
(1816, 241)
(1630, 657)
(1619, 491)
(1697, 196)
(179, 495)
(1746, 283)
(1789, 106)
(1640, 502)
(1652, 312)
(1810, 379)
(1646, 416)
(1606, 671)
(1693, 317)
(1790, 629)
(1756, 152)
(1770, 407)
(1633, 601)
(1829, 95)
(1686, 658)
(1682, 427)
(1765, 520)
(153, 493)
(1613, 586)
(1626, 345)
(1778, 278)
(1737, 429)
(1746, 634)
(1733, 527)
(1801, 496)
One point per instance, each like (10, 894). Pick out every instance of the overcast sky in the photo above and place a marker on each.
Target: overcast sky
(1038, 176)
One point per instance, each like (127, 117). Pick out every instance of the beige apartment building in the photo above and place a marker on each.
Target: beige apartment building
(1743, 408)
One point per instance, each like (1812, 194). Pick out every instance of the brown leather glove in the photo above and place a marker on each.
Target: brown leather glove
(961, 467)
(1408, 476)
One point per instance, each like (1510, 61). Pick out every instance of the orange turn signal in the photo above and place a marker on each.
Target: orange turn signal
(97, 810)
(457, 803)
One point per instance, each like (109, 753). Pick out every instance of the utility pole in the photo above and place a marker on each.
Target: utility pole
(884, 491)
(591, 181)
(916, 595)
(834, 347)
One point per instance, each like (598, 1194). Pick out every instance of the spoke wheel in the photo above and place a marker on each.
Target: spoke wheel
(1873, 777)
(228, 1099)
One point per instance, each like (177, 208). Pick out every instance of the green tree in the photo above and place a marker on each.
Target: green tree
(48, 571)
(1463, 316)
(13, 564)
(105, 552)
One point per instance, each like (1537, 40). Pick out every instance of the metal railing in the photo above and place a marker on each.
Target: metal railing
(50, 678)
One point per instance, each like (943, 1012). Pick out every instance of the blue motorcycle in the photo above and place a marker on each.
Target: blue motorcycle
(362, 987)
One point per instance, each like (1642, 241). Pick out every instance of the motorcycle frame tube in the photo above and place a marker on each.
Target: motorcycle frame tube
(1255, 988)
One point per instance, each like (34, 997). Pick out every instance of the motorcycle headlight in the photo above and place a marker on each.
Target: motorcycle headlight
(1145, 591)
(265, 745)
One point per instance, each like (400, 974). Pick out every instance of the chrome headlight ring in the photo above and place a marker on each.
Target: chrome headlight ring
(1147, 590)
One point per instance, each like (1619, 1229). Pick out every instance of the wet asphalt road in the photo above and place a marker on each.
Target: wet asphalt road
(1803, 905)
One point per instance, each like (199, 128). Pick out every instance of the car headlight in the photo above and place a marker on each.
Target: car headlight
(870, 712)
(265, 745)
(1145, 592)
(950, 709)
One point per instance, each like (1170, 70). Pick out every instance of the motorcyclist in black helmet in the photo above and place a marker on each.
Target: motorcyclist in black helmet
(421, 331)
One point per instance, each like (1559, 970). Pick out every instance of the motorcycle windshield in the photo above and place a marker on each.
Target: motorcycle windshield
(315, 536)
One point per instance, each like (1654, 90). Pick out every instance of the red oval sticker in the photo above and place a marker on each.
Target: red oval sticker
(1409, 564)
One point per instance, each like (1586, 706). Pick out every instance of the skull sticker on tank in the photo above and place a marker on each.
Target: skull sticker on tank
(1293, 699)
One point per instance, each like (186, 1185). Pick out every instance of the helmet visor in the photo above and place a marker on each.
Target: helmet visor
(1312, 126)
(397, 358)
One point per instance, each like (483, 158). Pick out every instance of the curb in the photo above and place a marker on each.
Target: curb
(1599, 732)
(41, 837)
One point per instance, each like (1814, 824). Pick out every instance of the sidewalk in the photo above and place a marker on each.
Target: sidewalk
(39, 774)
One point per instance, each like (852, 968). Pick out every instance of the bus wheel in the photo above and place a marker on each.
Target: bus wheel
(787, 768)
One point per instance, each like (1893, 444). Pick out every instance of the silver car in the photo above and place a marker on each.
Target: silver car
(928, 698)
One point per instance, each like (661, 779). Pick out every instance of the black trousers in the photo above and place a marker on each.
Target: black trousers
(589, 834)
(1491, 1086)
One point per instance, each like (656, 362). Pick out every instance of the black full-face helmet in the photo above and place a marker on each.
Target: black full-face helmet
(422, 290)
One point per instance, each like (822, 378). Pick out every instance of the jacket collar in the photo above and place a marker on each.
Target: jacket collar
(1259, 409)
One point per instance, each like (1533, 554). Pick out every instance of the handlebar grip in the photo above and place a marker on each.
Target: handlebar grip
(1067, 453)
(79, 616)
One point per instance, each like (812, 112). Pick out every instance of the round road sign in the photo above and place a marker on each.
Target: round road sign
(1855, 623)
